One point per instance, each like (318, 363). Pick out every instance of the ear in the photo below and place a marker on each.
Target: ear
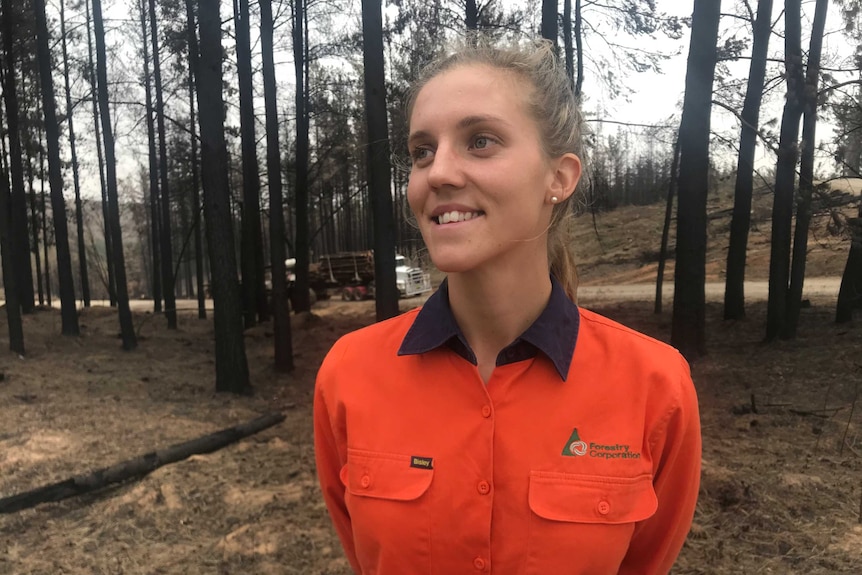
(566, 174)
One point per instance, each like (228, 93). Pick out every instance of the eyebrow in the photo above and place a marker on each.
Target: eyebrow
(465, 122)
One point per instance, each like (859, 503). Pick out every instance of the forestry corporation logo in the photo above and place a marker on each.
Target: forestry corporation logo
(574, 446)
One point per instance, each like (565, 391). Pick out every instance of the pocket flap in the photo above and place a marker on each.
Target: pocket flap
(590, 498)
(385, 476)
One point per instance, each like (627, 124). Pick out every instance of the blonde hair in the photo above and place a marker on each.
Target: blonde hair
(556, 112)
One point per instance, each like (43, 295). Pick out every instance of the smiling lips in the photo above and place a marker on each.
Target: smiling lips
(456, 216)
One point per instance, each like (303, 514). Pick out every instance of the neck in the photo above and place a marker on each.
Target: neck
(493, 307)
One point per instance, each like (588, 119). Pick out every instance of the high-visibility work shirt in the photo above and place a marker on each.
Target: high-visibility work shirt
(581, 454)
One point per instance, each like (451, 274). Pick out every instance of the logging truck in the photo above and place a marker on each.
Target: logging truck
(351, 274)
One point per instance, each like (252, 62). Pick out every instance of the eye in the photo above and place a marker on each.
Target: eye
(482, 142)
(419, 153)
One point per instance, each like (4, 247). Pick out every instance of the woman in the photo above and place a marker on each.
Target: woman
(500, 428)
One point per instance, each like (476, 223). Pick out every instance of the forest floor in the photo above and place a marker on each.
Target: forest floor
(781, 486)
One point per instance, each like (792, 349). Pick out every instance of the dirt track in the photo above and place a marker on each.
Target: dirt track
(754, 291)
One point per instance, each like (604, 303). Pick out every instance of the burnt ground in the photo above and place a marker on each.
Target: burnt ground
(781, 489)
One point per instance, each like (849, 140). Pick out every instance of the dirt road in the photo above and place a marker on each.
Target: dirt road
(754, 291)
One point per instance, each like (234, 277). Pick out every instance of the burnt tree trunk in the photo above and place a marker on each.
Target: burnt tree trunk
(198, 224)
(282, 339)
(165, 242)
(79, 215)
(688, 333)
(153, 171)
(251, 261)
(230, 357)
(97, 130)
(68, 313)
(806, 172)
(301, 300)
(785, 172)
(665, 232)
(127, 329)
(740, 223)
(19, 242)
(377, 157)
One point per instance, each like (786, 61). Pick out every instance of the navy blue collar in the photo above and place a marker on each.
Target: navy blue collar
(554, 333)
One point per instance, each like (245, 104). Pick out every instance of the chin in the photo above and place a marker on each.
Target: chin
(451, 263)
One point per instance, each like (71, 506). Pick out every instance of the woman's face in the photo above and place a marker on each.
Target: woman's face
(480, 184)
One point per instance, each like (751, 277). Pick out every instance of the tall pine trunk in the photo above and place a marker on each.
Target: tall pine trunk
(251, 262)
(806, 172)
(377, 157)
(10, 289)
(785, 172)
(165, 242)
(19, 243)
(301, 301)
(549, 20)
(230, 357)
(79, 215)
(97, 130)
(281, 316)
(688, 333)
(665, 232)
(196, 199)
(740, 223)
(68, 313)
(153, 171)
(127, 329)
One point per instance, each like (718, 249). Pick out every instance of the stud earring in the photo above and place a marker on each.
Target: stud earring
(554, 199)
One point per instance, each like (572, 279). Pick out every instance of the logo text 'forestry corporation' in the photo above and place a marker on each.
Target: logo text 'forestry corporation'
(576, 447)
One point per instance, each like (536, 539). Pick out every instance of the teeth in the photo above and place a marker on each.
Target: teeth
(455, 216)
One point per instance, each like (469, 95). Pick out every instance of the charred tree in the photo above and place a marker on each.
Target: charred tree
(282, 338)
(19, 243)
(79, 212)
(301, 300)
(253, 287)
(231, 362)
(378, 158)
(785, 171)
(196, 199)
(127, 329)
(68, 313)
(10, 289)
(740, 223)
(665, 232)
(688, 333)
(165, 243)
(806, 172)
(549, 21)
(153, 196)
(97, 130)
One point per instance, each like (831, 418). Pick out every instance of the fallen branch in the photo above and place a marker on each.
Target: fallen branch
(137, 467)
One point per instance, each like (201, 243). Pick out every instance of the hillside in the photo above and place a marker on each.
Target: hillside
(623, 245)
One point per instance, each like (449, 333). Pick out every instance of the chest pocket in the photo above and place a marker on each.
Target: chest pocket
(584, 522)
(390, 509)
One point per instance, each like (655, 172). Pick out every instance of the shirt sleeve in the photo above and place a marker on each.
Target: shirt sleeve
(330, 452)
(676, 445)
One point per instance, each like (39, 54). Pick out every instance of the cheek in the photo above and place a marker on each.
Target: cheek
(415, 198)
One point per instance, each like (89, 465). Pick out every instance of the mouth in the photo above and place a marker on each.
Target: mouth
(456, 217)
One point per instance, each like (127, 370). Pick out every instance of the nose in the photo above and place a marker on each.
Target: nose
(446, 168)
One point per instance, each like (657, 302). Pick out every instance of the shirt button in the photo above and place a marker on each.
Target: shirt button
(603, 507)
(479, 564)
(365, 481)
(484, 487)
(486, 411)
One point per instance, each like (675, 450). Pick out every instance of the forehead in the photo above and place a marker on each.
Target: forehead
(470, 86)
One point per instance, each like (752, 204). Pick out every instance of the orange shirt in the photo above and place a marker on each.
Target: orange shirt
(580, 464)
